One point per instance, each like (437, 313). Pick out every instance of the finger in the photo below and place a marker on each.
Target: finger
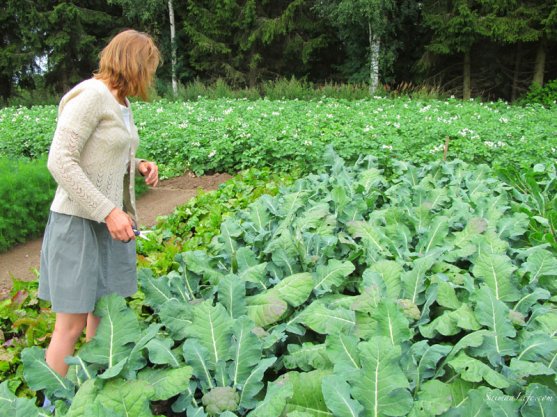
(155, 176)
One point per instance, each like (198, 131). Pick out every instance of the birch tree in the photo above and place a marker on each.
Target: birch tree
(359, 17)
(173, 47)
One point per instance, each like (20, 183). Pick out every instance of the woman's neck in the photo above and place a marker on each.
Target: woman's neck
(119, 98)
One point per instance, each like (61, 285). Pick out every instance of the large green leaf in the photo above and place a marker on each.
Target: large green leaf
(343, 353)
(166, 382)
(230, 230)
(328, 321)
(473, 370)
(161, 352)
(284, 253)
(84, 398)
(197, 356)
(539, 264)
(512, 227)
(521, 370)
(212, 326)
(537, 347)
(331, 276)
(245, 350)
(391, 322)
(274, 403)
(435, 236)
(389, 272)
(294, 289)
(39, 376)
(422, 362)
(136, 360)
(201, 263)
(307, 356)
(177, 317)
(12, 406)
(434, 398)
(413, 281)
(100, 410)
(547, 323)
(254, 383)
(336, 392)
(446, 295)
(259, 220)
(265, 308)
(451, 322)
(253, 273)
(540, 401)
(496, 271)
(381, 386)
(232, 294)
(493, 314)
(118, 396)
(485, 402)
(475, 226)
(129, 397)
(157, 290)
(525, 303)
(373, 239)
(307, 395)
(459, 391)
(118, 329)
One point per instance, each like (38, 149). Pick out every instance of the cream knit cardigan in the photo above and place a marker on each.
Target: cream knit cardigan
(88, 154)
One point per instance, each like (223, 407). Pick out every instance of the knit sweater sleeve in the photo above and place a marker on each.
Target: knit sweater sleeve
(77, 119)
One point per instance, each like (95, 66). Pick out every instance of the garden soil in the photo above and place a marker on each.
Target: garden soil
(22, 262)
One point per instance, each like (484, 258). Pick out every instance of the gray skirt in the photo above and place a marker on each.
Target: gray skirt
(80, 262)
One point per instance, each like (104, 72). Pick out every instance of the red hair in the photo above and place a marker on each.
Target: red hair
(128, 63)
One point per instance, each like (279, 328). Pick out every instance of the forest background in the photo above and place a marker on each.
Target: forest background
(492, 50)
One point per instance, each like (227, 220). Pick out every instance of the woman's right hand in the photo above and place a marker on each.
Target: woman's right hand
(119, 225)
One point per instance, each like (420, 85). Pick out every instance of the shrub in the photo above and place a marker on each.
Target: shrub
(546, 95)
(26, 190)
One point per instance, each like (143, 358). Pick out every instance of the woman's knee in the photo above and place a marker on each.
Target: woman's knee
(70, 326)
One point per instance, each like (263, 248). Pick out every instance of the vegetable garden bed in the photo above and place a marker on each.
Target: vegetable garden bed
(417, 291)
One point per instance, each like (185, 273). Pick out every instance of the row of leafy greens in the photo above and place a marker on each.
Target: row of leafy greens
(346, 294)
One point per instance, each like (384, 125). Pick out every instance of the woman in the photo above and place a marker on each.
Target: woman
(89, 248)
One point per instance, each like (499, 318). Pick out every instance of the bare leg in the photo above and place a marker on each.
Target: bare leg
(92, 324)
(67, 330)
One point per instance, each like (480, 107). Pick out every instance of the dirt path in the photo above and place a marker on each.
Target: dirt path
(22, 261)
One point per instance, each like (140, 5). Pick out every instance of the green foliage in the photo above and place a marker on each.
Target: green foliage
(231, 135)
(342, 292)
(535, 195)
(193, 225)
(546, 95)
(26, 191)
(356, 22)
(455, 25)
(25, 321)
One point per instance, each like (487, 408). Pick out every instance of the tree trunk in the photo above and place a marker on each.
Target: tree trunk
(173, 47)
(540, 63)
(467, 89)
(516, 73)
(5, 87)
(374, 47)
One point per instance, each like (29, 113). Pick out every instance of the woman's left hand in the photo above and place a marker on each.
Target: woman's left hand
(150, 171)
